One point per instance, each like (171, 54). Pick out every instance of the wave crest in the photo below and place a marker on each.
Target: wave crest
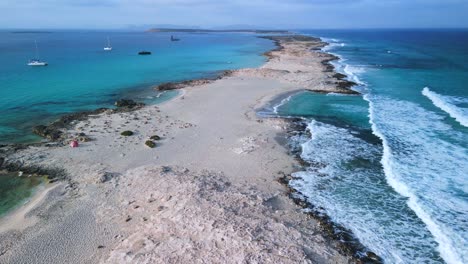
(446, 104)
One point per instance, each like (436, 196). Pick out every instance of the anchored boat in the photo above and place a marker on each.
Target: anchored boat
(108, 47)
(37, 61)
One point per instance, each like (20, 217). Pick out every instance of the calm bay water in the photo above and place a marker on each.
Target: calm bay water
(392, 165)
(82, 76)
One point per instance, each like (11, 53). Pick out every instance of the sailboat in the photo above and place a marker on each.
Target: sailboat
(36, 61)
(108, 47)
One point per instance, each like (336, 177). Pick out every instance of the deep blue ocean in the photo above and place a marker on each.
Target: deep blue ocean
(392, 165)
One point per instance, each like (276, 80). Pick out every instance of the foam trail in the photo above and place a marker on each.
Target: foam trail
(443, 102)
(283, 102)
(352, 72)
(332, 43)
(446, 248)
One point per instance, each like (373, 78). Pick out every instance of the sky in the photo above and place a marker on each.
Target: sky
(280, 14)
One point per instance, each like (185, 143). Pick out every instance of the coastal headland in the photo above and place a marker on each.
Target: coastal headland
(206, 189)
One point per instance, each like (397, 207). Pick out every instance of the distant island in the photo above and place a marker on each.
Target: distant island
(31, 32)
(196, 30)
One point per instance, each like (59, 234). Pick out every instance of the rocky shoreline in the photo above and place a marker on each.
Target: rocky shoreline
(348, 243)
(60, 131)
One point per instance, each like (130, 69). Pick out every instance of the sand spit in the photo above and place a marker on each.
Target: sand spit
(297, 60)
(207, 193)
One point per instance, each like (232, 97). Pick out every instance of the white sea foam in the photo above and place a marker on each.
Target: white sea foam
(338, 94)
(446, 103)
(347, 192)
(283, 102)
(415, 170)
(353, 72)
(332, 44)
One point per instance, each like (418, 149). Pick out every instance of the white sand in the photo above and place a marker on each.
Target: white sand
(206, 194)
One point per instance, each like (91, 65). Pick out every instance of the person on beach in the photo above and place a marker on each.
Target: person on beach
(74, 143)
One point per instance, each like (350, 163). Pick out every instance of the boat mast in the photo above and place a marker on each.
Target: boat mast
(37, 50)
(108, 42)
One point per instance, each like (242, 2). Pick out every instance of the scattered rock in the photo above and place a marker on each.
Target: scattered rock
(155, 137)
(105, 177)
(196, 82)
(372, 256)
(166, 169)
(82, 137)
(126, 103)
(47, 132)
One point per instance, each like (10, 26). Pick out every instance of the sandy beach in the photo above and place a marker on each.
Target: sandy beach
(207, 193)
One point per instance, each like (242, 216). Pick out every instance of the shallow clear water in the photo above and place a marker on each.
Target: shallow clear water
(82, 76)
(14, 190)
(392, 165)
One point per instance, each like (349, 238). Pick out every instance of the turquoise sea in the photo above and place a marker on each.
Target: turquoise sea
(392, 165)
(82, 76)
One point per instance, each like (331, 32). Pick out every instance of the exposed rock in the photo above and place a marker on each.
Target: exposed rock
(196, 82)
(339, 76)
(346, 85)
(341, 91)
(373, 256)
(54, 131)
(50, 133)
(127, 103)
(82, 137)
(155, 137)
(105, 177)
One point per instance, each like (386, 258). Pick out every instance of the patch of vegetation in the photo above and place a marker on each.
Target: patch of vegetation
(150, 144)
(127, 133)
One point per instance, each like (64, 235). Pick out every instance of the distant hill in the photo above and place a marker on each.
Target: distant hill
(196, 30)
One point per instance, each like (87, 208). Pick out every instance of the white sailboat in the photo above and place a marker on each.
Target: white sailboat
(108, 47)
(36, 61)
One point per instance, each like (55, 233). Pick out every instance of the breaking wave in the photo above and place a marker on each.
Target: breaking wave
(447, 104)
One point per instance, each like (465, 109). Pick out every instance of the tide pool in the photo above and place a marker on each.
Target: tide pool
(15, 189)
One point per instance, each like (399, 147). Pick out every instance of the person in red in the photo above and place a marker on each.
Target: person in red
(74, 143)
